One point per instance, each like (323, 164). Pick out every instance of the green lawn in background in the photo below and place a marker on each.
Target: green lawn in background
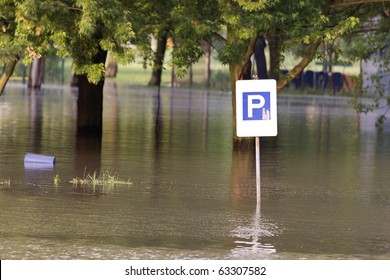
(58, 71)
(135, 74)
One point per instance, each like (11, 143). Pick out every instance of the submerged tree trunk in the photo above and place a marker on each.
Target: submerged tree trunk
(90, 103)
(35, 78)
(9, 69)
(158, 61)
(239, 71)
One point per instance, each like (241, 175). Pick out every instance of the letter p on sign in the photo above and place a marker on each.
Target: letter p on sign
(256, 108)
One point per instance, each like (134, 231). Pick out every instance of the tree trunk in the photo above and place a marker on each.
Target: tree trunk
(207, 49)
(173, 78)
(274, 42)
(234, 76)
(158, 61)
(247, 71)
(74, 82)
(191, 75)
(9, 69)
(238, 71)
(90, 103)
(324, 66)
(112, 68)
(261, 62)
(36, 73)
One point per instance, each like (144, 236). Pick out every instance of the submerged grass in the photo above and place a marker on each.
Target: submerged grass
(102, 179)
(56, 180)
(5, 182)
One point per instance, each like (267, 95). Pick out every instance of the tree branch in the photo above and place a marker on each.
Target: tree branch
(343, 4)
(248, 53)
(9, 69)
(309, 56)
(369, 30)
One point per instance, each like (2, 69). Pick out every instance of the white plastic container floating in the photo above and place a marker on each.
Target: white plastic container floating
(38, 161)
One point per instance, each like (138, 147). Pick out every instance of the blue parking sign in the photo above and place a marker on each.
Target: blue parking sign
(256, 106)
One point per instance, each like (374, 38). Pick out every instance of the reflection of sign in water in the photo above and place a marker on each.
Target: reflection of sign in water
(256, 106)
(249, 239)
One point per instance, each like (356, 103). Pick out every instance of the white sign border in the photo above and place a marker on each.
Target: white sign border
(256, 128)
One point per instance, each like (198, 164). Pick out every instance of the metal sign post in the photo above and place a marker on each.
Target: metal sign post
(256, 114)
(258, 169)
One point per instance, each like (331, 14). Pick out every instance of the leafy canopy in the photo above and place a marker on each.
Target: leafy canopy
(32, 28)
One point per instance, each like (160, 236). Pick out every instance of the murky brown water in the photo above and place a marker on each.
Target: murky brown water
(325, 180)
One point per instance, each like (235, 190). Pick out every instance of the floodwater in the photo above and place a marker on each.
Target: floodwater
(325, 180)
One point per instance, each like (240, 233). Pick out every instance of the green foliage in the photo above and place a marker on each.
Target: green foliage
(373, 44)
(152, 19)
(79, 28)
(378, 101)
(95, 72)
(340, 29)
(94, 25)
(32, 28)
(296, 23)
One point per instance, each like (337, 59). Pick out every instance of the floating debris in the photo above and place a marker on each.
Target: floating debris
(38, 161)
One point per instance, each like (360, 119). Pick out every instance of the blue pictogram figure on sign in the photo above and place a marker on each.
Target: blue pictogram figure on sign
(256, 106)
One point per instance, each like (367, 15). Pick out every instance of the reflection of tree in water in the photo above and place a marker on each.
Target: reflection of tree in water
(87, 161)
(249, 239)
(88, 154)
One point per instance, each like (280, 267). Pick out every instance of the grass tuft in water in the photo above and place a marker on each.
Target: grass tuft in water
(56, 179)
(5, 182)
(103, 179)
